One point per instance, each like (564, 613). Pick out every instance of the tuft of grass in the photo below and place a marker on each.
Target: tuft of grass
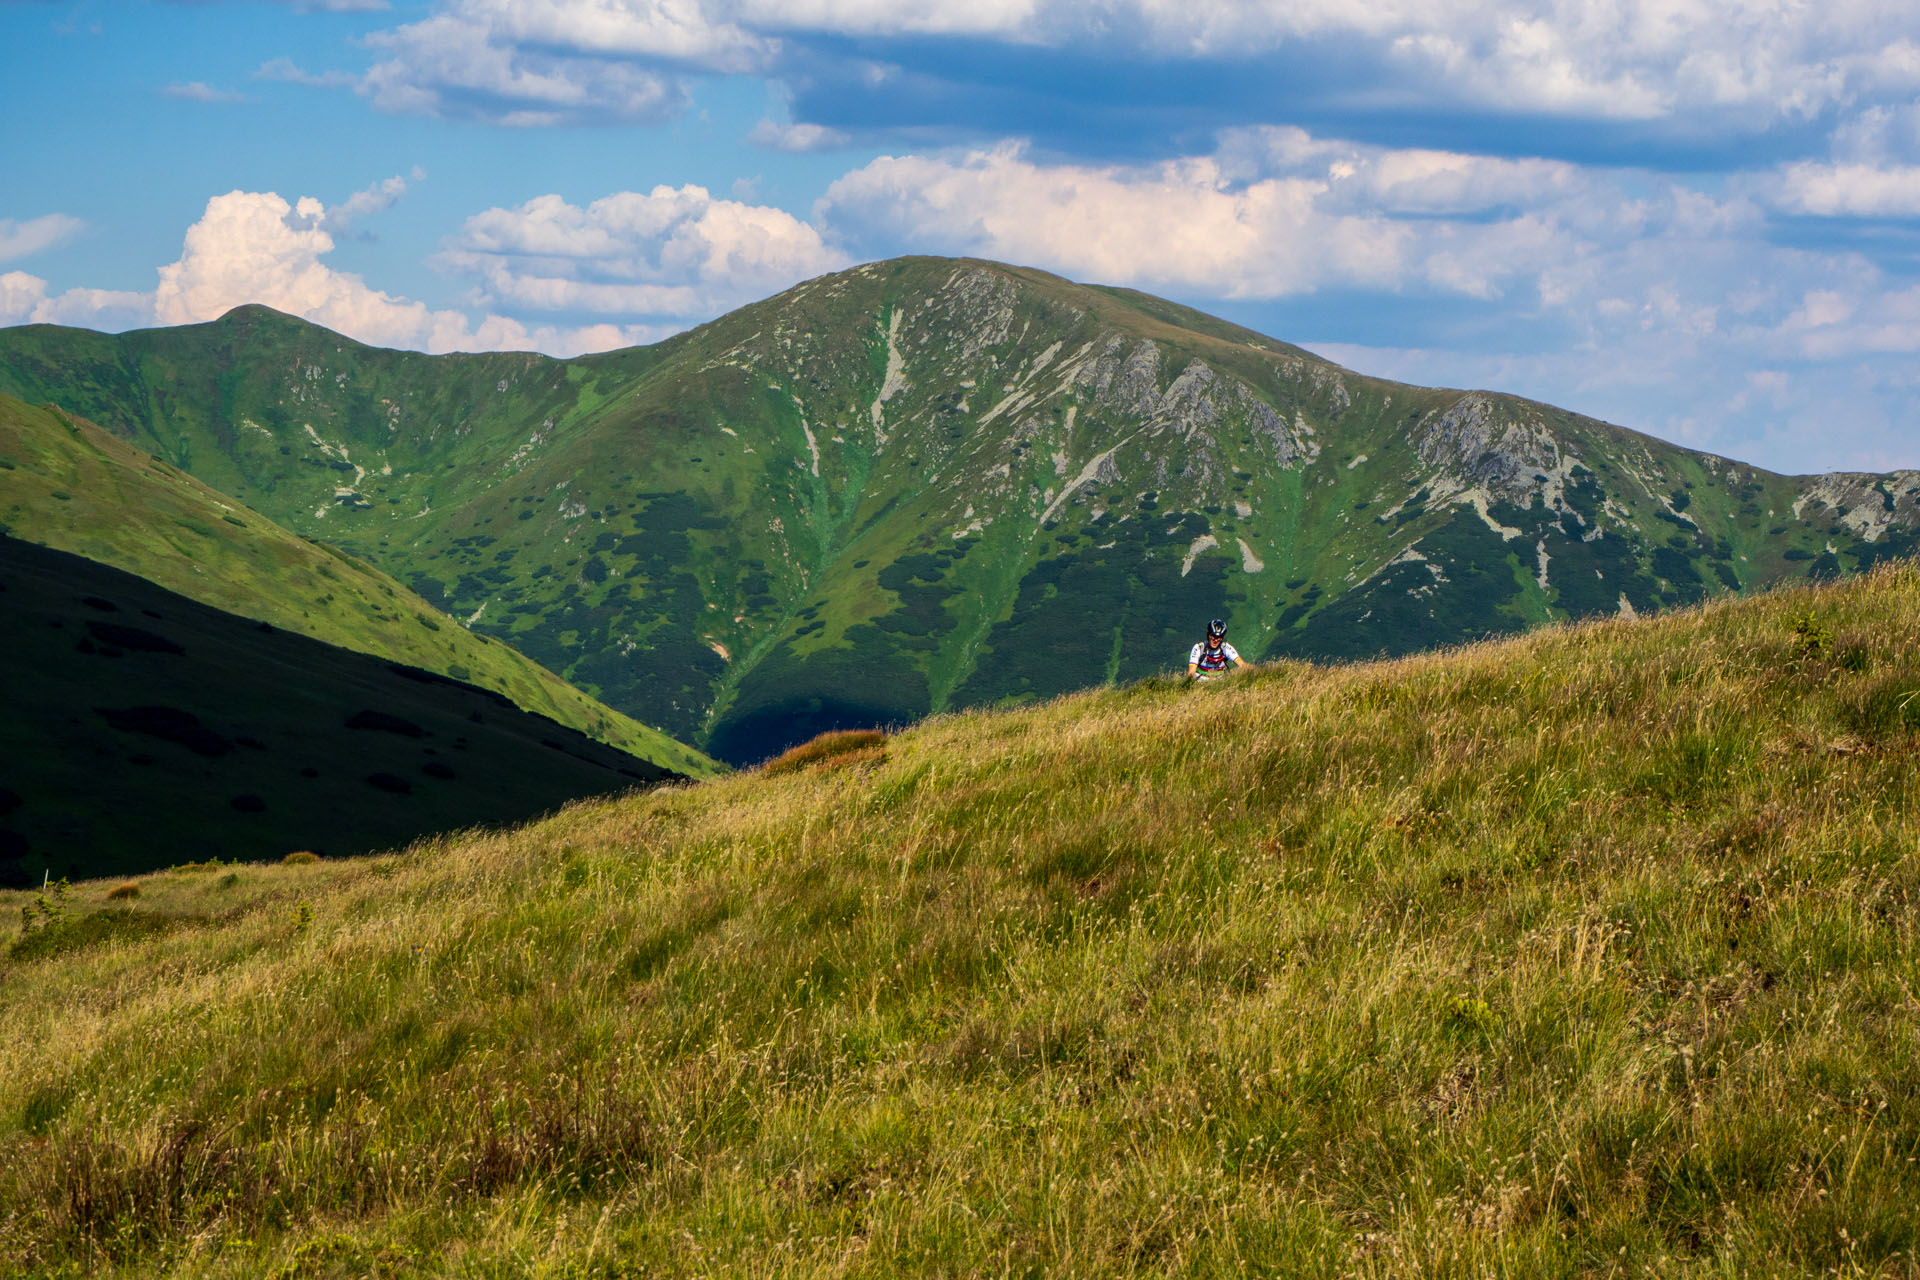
(300, 858)
(840, 747)
(122, 891)
(1591, 952)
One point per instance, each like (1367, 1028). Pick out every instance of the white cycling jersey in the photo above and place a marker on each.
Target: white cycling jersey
(1226, 651)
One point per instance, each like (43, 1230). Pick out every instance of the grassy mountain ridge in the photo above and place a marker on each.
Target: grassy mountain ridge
(1588, 951)
(147, 730)
(67, 484)
(933, 483)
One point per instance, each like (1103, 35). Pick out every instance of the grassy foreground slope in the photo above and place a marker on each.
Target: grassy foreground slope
(1586, 952)
(67, 484)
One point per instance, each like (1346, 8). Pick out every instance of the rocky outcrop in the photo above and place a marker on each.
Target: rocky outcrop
(981, 306)
(1474, 442)
(1867, 505)
(1197, 404)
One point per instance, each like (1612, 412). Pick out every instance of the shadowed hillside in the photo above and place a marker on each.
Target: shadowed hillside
(65, 483)
(141, 730)
(1591, 952)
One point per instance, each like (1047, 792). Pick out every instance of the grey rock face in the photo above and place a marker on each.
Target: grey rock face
(1476, 441)
(1123, 380)
(1867, 505)
(982, 304)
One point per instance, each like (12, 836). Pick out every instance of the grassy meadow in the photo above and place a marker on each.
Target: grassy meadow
(1590, 952)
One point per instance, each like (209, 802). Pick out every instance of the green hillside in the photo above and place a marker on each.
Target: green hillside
(149, 730)
(933, 483)
(1589, 952)
(66, 484)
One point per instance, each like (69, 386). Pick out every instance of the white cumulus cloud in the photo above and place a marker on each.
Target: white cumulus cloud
(1265, 218)
(255, 247)
(1850, 190)
(626, 269)
(25, 299)
(684, 31)
(252, 246)
(461, 67)
(672, 251)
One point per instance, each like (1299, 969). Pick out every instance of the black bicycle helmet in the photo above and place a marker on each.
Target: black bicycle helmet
(1217, 629)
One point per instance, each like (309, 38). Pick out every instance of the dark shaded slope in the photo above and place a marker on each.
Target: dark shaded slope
(141, 729)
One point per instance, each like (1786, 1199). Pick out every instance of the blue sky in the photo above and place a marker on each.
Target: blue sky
(1697, 218)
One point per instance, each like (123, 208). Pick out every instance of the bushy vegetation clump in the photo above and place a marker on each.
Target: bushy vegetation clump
(841, 746)
(1590, 952)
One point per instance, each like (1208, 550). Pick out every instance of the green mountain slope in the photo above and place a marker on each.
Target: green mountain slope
(1584, 953)
(149, 730)
(67, 484)
(931, 483)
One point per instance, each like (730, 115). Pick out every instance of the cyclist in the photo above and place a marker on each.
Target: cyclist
(1211, 656)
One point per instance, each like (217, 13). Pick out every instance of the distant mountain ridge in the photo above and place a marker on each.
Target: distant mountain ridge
(929, 483)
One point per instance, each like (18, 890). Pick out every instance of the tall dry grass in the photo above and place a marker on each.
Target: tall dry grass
(1586, 953)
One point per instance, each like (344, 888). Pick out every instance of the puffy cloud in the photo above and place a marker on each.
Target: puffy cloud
(632, 268)
(1309, 216)
(681, 31)
(19, 239)
(1026, 21)
(1872, 170)
(1850, 190)
(96, 309)
(673, 251)
(455, 66)
(252, 246)
(24, 299)
(1837, 324)
(20, 295)
(1398, 181)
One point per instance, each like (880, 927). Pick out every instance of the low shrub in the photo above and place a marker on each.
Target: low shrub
(300, 858)
(834, 746)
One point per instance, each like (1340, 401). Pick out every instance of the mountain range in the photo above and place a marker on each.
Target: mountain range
(929, 483)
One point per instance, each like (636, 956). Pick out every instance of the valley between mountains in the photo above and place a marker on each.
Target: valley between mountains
(927, 484)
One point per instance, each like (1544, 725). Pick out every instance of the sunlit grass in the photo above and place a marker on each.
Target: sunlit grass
(1590, 952)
